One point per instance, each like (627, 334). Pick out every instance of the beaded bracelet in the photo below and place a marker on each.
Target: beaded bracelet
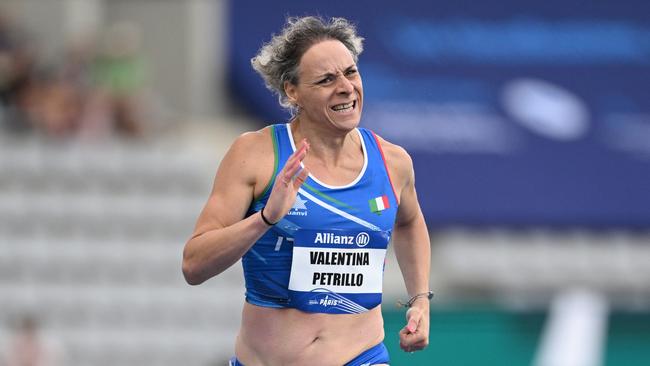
(408, 304)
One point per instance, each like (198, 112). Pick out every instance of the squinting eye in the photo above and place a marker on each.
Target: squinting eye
(326, 80)
(351, 72)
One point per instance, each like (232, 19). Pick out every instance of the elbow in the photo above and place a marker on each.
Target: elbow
(192, 276)
(191, 272)
(196, 268)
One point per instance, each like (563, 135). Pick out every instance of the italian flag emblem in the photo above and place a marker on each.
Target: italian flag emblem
(378, 204)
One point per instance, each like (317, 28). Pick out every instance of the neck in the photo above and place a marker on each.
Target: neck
(326, 144)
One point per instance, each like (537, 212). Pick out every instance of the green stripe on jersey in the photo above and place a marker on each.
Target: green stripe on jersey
(275, 163)
(328, 198)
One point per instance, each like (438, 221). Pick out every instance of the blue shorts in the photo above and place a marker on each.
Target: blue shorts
(373, 356)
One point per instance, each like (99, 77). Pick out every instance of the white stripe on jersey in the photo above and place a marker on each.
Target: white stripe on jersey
(335, 210)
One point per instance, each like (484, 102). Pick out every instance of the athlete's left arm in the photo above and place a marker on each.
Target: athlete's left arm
(412, 247)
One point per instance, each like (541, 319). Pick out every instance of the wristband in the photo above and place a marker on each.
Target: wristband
(408, 304)
(264, 218)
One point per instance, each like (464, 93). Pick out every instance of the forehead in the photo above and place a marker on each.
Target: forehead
(326, 57)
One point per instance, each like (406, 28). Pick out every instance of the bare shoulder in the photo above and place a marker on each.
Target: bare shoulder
(399, 162)
(251, 157)
(253, 142)
(237, 180)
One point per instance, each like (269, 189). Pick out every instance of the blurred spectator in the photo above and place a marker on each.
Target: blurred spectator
(17, 62)
(95, 92)
(56, 105)
(119, 75)
(28, 347)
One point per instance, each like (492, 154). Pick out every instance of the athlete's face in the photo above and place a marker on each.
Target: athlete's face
(329, 89)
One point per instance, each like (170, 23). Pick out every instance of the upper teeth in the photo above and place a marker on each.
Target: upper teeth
(343, 106)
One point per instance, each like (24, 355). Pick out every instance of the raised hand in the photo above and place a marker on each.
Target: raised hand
(286, 186)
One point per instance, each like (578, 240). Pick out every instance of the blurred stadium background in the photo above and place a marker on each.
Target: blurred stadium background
(529, 127)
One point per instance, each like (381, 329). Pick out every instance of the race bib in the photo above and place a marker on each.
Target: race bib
(337, 271)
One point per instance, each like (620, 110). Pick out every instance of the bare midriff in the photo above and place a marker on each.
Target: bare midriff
(270, 337)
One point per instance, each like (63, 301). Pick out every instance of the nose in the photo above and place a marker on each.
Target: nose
(344, 86)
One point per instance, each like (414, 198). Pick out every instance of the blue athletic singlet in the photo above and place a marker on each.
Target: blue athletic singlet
(327, 254)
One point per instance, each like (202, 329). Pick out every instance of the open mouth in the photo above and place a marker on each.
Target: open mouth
(344, 107)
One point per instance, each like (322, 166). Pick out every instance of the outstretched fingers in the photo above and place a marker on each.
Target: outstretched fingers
(301, 153)
(287, 183)
(300, 178)
(289, 171)
(293, 170)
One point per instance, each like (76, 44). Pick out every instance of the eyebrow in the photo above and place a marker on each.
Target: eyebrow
(353, 66)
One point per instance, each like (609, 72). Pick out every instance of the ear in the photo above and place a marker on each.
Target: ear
(292, 93)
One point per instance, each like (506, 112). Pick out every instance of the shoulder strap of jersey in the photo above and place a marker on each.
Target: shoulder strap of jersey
(275, 136)
(375, 151)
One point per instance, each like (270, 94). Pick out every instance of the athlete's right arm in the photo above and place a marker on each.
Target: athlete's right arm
(222, 235)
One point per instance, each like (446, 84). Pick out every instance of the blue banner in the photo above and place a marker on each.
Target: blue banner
(515, 114)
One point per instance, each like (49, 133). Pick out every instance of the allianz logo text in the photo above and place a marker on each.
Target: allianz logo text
(361, 239)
